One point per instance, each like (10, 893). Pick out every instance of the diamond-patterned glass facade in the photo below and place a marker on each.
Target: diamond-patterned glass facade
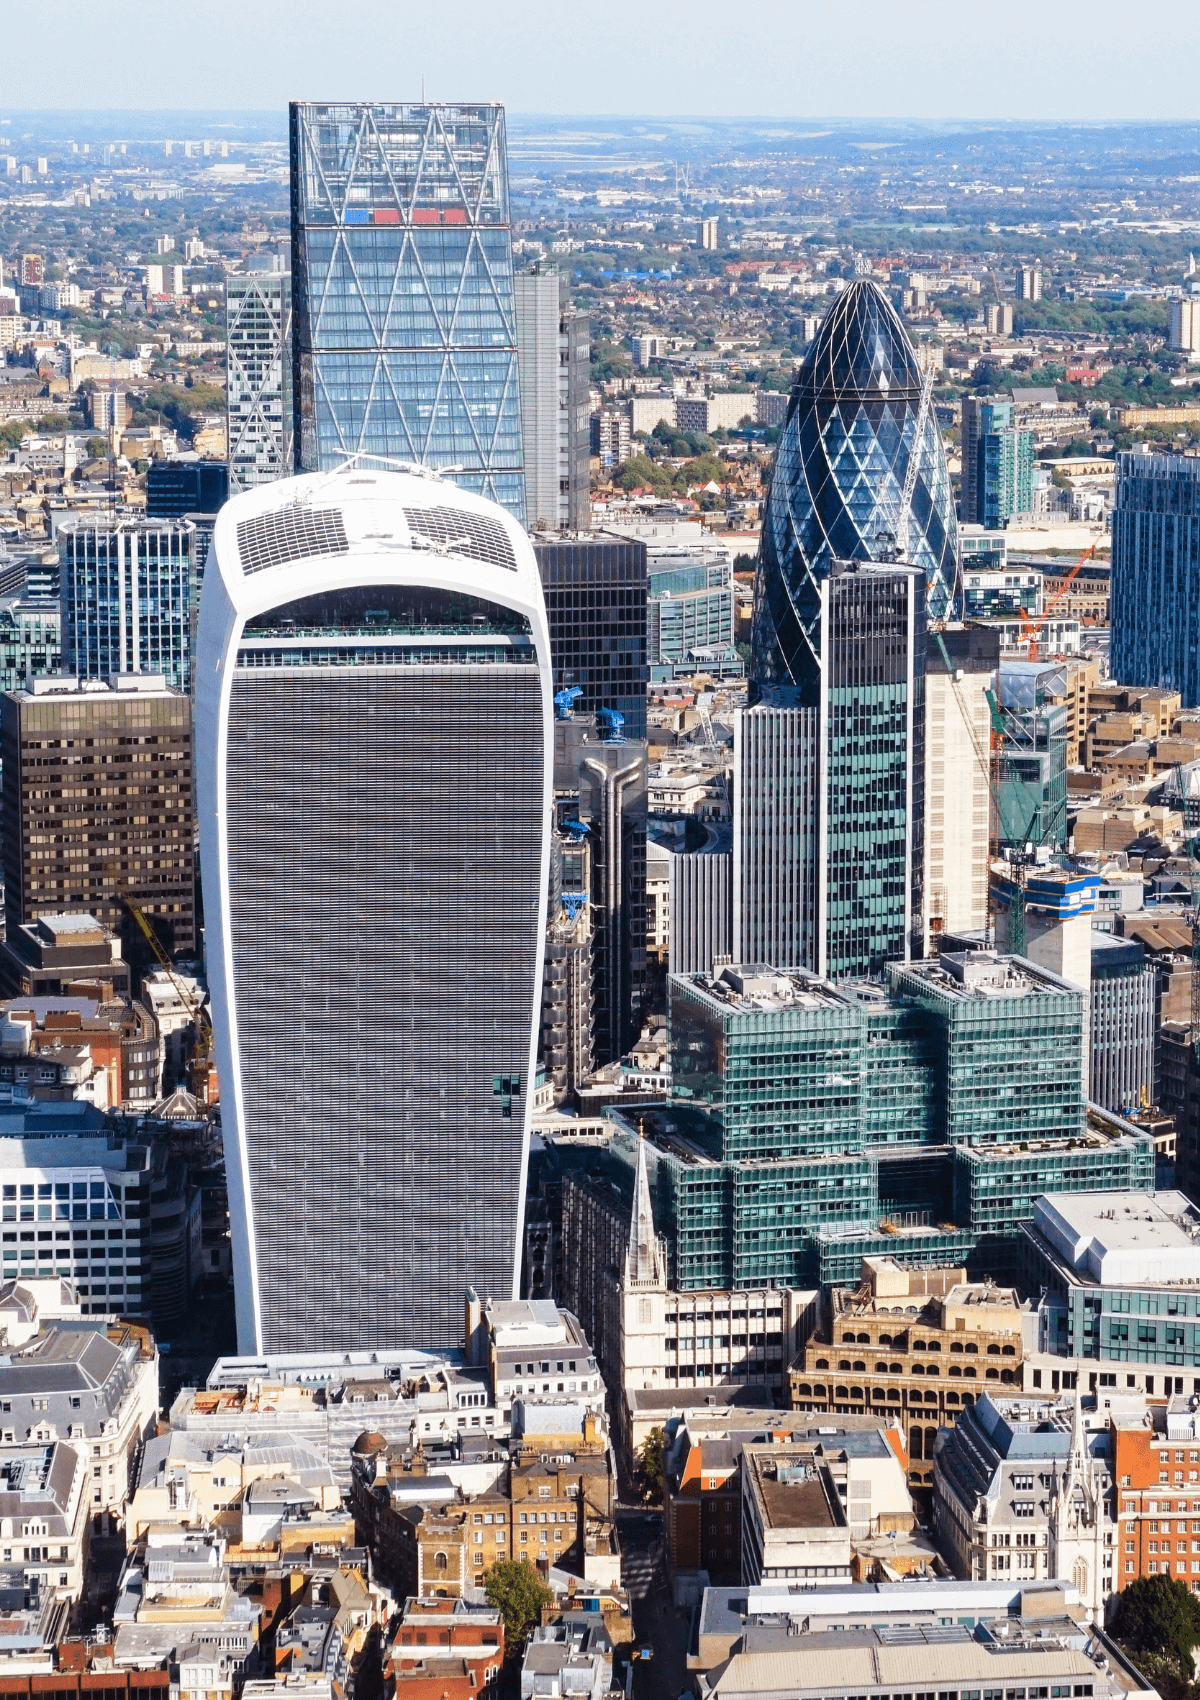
(838, 486)
(405, 334)
(258, 342)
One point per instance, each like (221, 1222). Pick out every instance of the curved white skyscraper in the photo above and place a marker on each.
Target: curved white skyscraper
(374, 753)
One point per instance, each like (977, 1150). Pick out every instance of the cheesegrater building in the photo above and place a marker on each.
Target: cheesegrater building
(375, 735)
(404, 326)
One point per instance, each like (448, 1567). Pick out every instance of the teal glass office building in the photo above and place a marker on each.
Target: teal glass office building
(815, 1123)
(404, 327)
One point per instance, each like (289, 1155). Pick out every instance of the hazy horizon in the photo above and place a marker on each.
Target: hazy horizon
(865, 60)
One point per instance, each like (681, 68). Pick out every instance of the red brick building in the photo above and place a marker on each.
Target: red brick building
(444, 1649)
(1156, 1466)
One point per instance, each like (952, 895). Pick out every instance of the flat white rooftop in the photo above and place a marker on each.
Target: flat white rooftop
(1123, 1238)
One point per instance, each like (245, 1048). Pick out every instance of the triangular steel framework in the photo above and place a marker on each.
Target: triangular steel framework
(405, 320)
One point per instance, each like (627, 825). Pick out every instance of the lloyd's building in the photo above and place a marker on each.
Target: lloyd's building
(374, 732)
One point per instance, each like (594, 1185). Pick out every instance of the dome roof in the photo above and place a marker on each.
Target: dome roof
(368, 1444)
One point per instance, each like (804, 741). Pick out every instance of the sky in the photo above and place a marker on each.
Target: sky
(1020, 59)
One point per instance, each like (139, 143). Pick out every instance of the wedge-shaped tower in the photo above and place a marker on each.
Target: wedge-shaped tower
(374, 742)
(853, 424)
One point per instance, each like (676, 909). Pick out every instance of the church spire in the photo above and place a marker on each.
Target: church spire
(643, 1261)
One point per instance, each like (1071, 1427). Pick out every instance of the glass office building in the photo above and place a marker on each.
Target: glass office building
(404, 330)
(129, 593)
(1004, 466)
(1010, 1041)
(840, 471)
(375, 763)
(258, 393)
(1156, 573)
(829, 824)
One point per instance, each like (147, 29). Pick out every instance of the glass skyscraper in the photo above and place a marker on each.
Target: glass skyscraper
(405, 343)
(837, 491)
(829, 823)
(129, 594)
(1156, 573)
(1004, 469)
(258, 395)
(374, 733)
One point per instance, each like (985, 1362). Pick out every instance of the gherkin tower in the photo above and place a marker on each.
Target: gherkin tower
(836, 494)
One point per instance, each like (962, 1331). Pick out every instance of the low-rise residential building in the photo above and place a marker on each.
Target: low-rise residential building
(246, 1493)
(1024, 1487)
(45, 1529)
(440, 1523)
(568, 1660)
(177, 1605)
(534, 1352)
(443, 1647)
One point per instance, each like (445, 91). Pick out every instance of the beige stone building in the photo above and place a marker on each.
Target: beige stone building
(912, 1347)
(957, 753)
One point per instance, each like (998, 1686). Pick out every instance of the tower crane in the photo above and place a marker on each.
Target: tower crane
(194, 1006)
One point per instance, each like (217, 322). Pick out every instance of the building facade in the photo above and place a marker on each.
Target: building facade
(1155, 584)
(1004, 474)
(554, 350)
(129, 593)
(404, 333)
(1124, 1025)
(258, 367)
(959, 671)
(175, 488)
(345, 607)
(915, 1348)
(30, 639)
(1024, 1488)
(85, 763)
(600, 802)
(595, 593)
(838, 485)
(829, 827)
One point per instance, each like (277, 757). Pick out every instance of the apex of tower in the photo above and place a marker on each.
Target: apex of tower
(644, 1259)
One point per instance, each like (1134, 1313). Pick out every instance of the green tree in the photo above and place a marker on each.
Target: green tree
(1156, 1614)
(97, 448)
(513, 1587)
(641, 472)
(651, 1459)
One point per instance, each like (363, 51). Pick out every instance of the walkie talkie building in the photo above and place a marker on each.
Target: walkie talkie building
(374, 751)
(405, 338)
(853, 424)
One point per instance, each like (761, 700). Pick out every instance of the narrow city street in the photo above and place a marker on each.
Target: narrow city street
(658, 1626)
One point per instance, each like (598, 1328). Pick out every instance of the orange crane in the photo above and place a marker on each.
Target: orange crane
(1032, 622)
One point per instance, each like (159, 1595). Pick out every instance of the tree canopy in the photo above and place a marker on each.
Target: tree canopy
(1156, 1614)
(512, 1585)
(652, 1459)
